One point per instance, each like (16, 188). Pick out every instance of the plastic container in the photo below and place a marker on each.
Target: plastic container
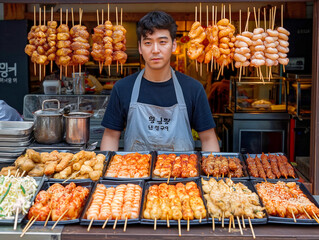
(52, 87)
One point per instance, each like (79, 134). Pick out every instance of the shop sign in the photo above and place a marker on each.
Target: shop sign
(296, 63)
(8, 74)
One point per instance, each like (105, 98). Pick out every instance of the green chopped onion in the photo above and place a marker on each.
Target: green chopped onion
(5, 193)
(1, 215)
(1, 208)
(23, 190)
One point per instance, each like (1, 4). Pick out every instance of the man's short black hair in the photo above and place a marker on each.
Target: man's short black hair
(156, 20)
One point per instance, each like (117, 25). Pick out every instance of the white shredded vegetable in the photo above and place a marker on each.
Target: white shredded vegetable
(21, 190)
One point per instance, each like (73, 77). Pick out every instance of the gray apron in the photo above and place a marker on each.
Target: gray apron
(151, 127)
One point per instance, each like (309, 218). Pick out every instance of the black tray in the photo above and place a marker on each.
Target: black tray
(47, 184)
(281, 178)
(226, 154)
(39, 181)
(106, 153)
(253, 221)
(171, 222)
(128, 179)
(155, 178)
(273, 219)
(109, 183)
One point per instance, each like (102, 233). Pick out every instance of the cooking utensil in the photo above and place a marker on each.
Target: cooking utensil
(48, 124)
(77, 127)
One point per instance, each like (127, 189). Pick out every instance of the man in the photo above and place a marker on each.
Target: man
(158, 106)
(8, 113)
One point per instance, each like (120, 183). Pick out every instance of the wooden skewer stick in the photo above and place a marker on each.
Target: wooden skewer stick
(233, 219)
(252, 229)
(121, 24)
(223, 219)
(155, 224)
(40, 25)
(169, 176)
(315, 215)
(213, 224)
(28, 223)
(179, 228)
(48, 217)
(16, 219)
(239, 225)
(255, 17)
(72, 176)
(167, 221)
(200, 219)
(102, 16)
(90, 225)
(125, 224)
(293, 215)
(242, 217)
(26, 229)
(306, 212)
(115, 222)
(187, 224)
(59, 219)
(230, 222)
(104, 224)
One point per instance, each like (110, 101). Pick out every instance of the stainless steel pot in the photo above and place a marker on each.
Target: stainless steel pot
(77, 126)
(48, 124)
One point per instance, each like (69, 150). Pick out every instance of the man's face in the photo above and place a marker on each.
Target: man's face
(157, 48)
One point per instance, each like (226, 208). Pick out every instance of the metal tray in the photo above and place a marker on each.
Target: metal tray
(12, 150)
(281, 178)
(10, 155)
(155, 178)
(47, 184)
(129, 179)
(4, 141)
(39, 181)
(110, 183)
(15, 144)
(274, 219)
(15, 128)
(226, 154)
(171, 222)
(253, 221)
(106, 153)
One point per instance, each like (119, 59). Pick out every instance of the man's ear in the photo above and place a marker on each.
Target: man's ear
(139, 47)
(174, 45)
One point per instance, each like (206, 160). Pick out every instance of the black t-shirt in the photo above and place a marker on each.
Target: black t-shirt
(160, 94)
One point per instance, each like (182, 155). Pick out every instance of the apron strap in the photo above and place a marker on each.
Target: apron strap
(178, 89)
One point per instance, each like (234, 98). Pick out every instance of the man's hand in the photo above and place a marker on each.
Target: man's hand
(209, 140)
(110, 140)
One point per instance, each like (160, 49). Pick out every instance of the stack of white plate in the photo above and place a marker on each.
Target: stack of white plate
(15, 137)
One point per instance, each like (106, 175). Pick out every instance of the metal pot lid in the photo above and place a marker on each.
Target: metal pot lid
(78, 115)
(48, 113)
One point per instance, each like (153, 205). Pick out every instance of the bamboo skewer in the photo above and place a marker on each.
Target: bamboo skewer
(293, 215)
(306, 213)
(125, 224)
(59, 219)
(28, 223)
(252, 229)
(230, 222)
(16, 219)
(179, 228)
(80, 21)
(90, 225)
(213, 222)
(242, 217)
(167, 221)
(104, 224)
(155, 224)
(48, 217)
(26, 229)
(108, 18)
(223, 219)
(40, 25)
(233, 220)
(121, 25)
(60, 24)
(187, 224)
(34, 24)
(115, 222)
(239, 225)
(72, 17)
(66, 22)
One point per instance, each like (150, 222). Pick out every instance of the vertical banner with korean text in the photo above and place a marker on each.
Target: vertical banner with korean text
(14, 74)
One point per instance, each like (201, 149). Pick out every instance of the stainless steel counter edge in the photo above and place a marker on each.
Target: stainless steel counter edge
(34, 233)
